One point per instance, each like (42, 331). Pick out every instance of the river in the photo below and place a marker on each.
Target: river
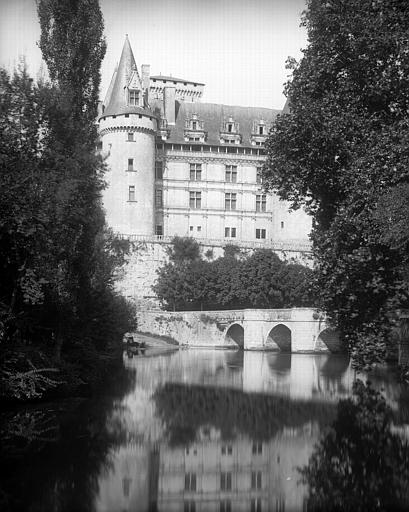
(204, 430)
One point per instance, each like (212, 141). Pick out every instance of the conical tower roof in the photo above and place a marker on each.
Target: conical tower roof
(116, 102)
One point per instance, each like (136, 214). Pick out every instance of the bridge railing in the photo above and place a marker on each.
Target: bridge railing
(278, 245)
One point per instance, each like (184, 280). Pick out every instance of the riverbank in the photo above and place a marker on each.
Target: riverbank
(29, 373)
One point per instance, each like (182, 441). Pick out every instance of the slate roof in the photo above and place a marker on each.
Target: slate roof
(116, 104)
(213, 115)
(173, 79)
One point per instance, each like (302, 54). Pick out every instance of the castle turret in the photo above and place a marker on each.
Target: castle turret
(127, 129)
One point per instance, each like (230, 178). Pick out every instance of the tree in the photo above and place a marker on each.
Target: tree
(341, 152)
(259, 280)
(360, 464)
(57, 256)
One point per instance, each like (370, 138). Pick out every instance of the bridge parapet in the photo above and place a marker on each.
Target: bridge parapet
(296, 329)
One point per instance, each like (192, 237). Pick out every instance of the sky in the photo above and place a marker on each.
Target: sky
(237, 48)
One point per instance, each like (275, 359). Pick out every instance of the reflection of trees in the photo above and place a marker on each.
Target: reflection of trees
(53, 460)
(184, 409)
(359, 465)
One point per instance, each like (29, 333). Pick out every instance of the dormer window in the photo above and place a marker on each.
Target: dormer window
(194, 129)
(258, 132)
(230, 132)
(133, 97)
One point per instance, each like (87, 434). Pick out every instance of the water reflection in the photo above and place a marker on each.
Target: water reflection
(195, 430)
(367, 462)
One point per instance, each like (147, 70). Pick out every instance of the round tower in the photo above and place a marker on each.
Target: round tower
(128, 130)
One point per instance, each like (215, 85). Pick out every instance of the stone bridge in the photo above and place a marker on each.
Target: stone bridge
(286, 330)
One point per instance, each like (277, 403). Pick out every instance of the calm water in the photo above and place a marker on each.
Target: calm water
(185, 430)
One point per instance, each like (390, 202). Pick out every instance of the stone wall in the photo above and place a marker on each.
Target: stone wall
(288, 330)
(137, 276)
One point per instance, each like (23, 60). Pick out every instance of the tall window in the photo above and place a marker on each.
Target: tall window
(130, 164)
(259, 179)
(190, 482)
(130, 137)
(131, 193)
(158, 170)
(230, 201)
(225, 481)
(159, 230)
(256, 479)
(225, 506)
(261, 202)
(133, 97)
(227, 449)
(257, 448)
(158, 198)
(231, 173)
(195, 200)
(255, 505)
(195, 172)
(229, 233)
(189, 506)
(260, 233)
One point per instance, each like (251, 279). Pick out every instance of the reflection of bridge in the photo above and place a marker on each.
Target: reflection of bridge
(287, 330)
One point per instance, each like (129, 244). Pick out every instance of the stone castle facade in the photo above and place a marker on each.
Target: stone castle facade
(178, 166)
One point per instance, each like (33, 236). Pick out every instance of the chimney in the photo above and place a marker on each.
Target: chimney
(145, 68)
(169, 94)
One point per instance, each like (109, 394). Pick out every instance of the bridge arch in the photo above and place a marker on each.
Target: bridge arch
(235, 334)
(330, 338)
(280, 337)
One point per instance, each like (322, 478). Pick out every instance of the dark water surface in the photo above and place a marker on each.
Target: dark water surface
(207, 430)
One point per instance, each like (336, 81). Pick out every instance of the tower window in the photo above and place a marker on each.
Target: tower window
(159, 230)
(194, 125)
(130, 164)
(131, 193)
(195, 172)
(282, 225)
(158, 198)
(130, 137)
(230, 127)
(133, 97)
(230, 201)
(195, 200)
(261, 202)
(260, 233)
(231, 173)
(159, 170)
(261, 130)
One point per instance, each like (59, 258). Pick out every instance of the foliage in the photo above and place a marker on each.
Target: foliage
(260, 280)
(58, 260)
(360, 464)
(183, 249)
(342, 153)
(187, 409)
